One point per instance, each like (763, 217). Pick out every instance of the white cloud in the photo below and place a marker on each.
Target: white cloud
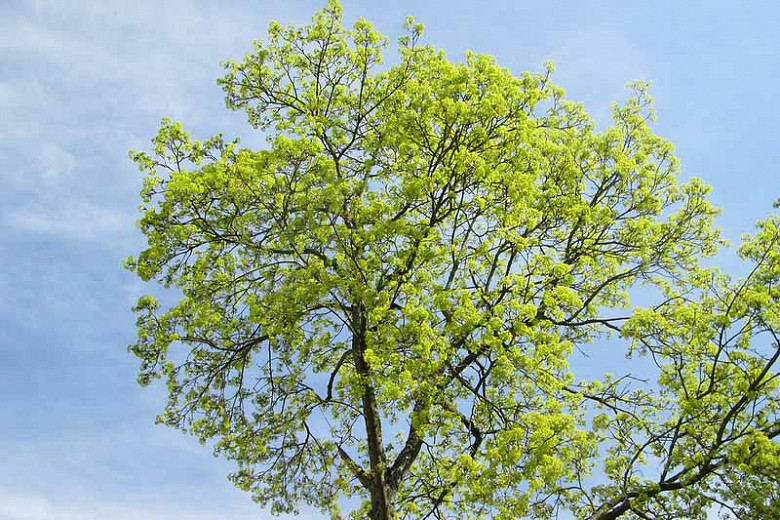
(90, 77)
(47, 169)
(31, 506)
(24, 507)
(80, 219)
(55, 162)
(8, 96)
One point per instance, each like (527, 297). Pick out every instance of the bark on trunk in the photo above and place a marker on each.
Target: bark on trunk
(381, 494)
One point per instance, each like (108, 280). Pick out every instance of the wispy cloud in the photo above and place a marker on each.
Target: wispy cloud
(24, 506)
(80, 84)
(89, 78)
(82, 220)
(31, 506)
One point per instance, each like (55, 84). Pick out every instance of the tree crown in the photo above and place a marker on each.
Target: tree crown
(383, 303)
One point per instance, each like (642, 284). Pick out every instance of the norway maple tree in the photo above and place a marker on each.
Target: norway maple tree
(379, 309)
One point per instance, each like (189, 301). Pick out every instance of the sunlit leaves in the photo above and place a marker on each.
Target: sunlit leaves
(383, 302)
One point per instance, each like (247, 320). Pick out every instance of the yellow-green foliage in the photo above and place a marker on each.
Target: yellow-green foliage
(383, 302)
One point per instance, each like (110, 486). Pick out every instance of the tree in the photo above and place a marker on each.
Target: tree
(383, 304)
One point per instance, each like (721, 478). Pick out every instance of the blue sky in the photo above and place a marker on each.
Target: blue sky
(82, 82)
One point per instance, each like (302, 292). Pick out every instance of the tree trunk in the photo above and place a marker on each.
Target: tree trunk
(382, 503)
(381, 495)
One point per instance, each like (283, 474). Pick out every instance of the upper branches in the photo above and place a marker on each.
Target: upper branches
(383, 301)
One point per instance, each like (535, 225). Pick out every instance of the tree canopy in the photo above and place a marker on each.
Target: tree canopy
(380, 309)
